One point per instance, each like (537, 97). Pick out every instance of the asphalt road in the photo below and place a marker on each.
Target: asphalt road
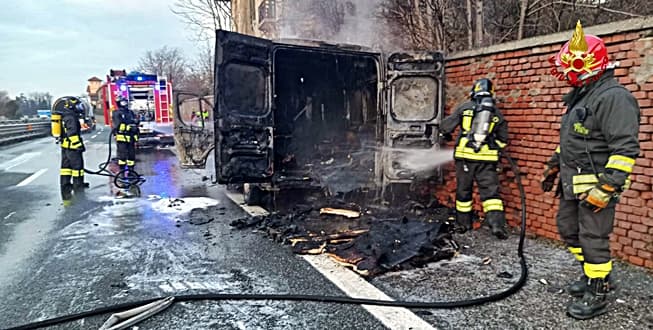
(102, 251)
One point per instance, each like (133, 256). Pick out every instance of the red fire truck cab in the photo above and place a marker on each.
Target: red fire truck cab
(149, 98)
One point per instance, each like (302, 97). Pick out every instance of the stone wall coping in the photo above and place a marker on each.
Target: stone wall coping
(635, 24)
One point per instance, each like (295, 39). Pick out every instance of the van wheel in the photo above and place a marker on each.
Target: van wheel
(253, 195)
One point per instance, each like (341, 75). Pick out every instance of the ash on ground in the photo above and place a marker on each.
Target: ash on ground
(372, 240)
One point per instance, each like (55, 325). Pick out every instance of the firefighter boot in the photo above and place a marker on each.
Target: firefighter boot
(66, 193)
(79, 185)
(497, 222)
(593, 303)
(577, 288)
(463, 221)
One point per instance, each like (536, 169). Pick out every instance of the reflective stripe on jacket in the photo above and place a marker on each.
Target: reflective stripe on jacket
(598, 137)
(496, 140)
(71, 138)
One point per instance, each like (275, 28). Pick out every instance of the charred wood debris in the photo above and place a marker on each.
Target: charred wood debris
(371, 240)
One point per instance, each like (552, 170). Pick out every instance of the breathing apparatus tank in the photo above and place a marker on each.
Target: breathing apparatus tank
(483, 114)
(66, 104)
(55, 117)
(482, 94)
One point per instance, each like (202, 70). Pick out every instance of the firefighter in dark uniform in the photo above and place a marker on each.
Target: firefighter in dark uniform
(66, 113)
(125, 128)
(484, 133)
(597, 151)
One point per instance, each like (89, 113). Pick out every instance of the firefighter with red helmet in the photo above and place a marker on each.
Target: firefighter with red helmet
(66, 113)
(484, 133)
(125, 129)
(597, 151)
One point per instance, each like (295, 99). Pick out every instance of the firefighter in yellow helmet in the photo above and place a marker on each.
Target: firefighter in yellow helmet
(598, 146)
(125, 128)
(484, 133)
(66, 112)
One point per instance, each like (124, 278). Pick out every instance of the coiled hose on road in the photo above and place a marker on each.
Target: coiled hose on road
(122, 179)
(327, 299)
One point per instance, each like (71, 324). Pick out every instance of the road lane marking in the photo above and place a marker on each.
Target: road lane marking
(351, 283)
(356, 287)
(18, 160)
(94, 136)
(32, 177)
(9, 215)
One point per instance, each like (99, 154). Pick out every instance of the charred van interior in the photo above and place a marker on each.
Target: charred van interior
(330, 119)
(325, 115)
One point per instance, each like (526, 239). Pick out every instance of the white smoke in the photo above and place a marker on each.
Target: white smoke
(360, 25)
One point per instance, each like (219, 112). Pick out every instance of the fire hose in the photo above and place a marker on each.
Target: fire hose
(124, 179)
(320, 298)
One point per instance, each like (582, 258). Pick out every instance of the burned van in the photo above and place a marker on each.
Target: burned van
(312, 115)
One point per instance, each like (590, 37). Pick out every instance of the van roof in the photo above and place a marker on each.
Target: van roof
(322, 44)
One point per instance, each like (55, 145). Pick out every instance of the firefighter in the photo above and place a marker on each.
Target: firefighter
(125, 128)
(597, 151)
(67, 112)
(484, 133)
(202, 116)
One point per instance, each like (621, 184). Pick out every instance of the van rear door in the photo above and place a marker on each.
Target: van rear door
(414, 108)
(243, 108)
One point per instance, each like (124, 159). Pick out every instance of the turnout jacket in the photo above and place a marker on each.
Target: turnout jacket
(125, 125)
(496, 140)
(598, 137)
(71, 138)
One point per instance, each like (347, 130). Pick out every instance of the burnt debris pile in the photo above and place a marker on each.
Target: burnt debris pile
(370, 240)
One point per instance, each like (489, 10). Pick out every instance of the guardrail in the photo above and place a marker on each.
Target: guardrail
(12, 131)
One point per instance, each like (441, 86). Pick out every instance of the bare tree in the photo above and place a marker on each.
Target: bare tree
(8, 107)
(165, 61)
(201, 74)
(204, 16)
(469, 23)
(523, 9)
(470, 27)
(479, 22)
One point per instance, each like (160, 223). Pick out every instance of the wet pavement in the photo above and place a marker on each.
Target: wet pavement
(101, 251)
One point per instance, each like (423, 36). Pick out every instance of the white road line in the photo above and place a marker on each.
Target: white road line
(351, 284)
(18, 160)
(94, 136)
(356, 287)
(9, 215)
(32, 177)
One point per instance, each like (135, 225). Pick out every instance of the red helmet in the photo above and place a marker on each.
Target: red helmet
(581, 58)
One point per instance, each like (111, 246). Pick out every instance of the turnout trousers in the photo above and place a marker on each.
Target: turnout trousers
(487, 179)
(126, 155)
(72, 167)
(587, 234)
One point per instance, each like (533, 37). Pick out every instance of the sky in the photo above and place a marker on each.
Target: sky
(55, 46)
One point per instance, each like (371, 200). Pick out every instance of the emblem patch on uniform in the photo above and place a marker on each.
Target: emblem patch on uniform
(580, 129)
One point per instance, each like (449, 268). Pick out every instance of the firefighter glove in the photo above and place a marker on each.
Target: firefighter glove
(597, 198)
(548, 177)
(447, 137)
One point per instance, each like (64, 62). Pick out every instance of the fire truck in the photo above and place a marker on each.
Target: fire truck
(149, 98)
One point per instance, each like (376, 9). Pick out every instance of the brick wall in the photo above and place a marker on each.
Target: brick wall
(530, 99)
